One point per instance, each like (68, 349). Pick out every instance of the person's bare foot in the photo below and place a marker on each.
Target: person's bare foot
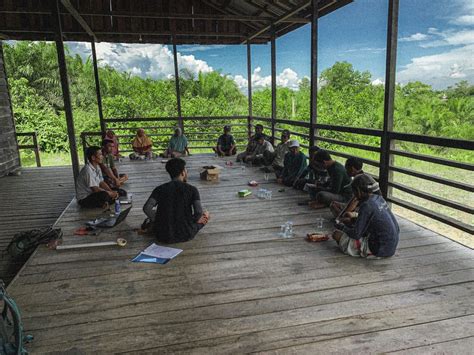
(336, 235)
(204, 218)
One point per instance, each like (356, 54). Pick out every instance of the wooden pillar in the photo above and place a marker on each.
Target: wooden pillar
(178, 90)
(249, 87)
(97, 89)
(385, 175)
(65, 90)
(273, 64)
(314, 73)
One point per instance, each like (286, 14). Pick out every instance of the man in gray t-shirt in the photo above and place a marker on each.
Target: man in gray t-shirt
(91, 189)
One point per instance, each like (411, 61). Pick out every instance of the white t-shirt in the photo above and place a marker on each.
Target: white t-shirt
(88, 177)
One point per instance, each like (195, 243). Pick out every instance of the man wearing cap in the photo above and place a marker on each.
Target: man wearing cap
(339, 189)
(294, 164)
(226, 144)
(263, 153)
(314, 176)
(376, 231)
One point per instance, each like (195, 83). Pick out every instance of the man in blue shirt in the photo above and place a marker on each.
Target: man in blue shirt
(375, 231)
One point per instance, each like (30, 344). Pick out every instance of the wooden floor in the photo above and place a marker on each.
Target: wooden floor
(34, 199)
(239, 288)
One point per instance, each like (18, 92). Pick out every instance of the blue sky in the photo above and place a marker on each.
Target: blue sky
(436, 46)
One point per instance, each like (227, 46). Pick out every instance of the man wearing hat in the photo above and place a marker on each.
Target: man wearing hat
(294, 164)
(226, 144)
(375, 231)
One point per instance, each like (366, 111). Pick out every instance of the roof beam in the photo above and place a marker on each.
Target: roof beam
(282, 18)
(67, 4)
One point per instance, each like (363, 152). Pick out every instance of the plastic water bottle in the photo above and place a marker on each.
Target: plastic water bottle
(289, 227)
(118, 207)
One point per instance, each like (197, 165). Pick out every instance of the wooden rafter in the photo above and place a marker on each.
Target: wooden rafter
(67, 4)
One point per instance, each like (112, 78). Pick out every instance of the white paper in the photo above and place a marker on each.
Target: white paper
(158, 251)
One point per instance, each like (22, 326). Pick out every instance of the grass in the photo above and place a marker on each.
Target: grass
(449, 193)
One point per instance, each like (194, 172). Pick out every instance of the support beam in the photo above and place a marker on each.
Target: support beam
(314, 73)
(67, 4)
(280, 19)
(65, 90)
(178, 89)
(386, 159)
(273, 64)
(97, 89)
(249, 86)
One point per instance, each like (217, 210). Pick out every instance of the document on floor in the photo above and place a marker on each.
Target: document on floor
(157, 254)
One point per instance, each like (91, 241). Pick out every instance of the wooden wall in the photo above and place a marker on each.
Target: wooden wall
(9, 156)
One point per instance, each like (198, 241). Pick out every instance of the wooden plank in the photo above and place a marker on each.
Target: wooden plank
(237, 287)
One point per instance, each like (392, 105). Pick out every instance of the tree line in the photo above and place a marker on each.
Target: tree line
(346, 97)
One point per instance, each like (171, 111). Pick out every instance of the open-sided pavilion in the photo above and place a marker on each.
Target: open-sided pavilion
(237, 287)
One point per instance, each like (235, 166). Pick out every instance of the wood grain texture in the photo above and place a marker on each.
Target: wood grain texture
(238, 287)
(35, 199)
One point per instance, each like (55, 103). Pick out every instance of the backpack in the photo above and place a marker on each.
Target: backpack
(12, 338)
(25, 243)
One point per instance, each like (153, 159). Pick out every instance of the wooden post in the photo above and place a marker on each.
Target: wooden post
(385, 175)
(273, 64)
(178, 90)
(65, 90)
(37, 152)
(314, 73)
(97, 89)
(249, 86)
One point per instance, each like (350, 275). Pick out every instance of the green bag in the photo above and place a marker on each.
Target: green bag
(25, 243)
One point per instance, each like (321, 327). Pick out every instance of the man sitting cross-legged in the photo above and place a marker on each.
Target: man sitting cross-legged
(109, 170)
(263, 153)
(339, 182)
(226, 144)
(375, 231)
(179, 215)
(252, 143)
(353, 168)
(91, 189)
(294, 164)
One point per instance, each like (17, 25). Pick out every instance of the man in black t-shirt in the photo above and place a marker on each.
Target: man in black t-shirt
(179, 215)
(226, 144)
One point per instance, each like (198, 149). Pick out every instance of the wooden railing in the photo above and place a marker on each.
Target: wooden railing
(33, 146)
(202, 133)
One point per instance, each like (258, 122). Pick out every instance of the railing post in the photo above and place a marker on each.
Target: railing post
(37, 153)
(386, 159)
(65, 90)
(273, 65)
(97, 89)
(249, 86)
(178, 90)
(314, 73)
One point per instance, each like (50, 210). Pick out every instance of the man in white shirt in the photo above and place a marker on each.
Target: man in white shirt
(263, 153)
(91, 189)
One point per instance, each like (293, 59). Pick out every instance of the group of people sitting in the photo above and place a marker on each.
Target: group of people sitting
(364, 223)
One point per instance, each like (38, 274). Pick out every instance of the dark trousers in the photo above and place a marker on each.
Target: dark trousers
(96, 200)
(227, 152)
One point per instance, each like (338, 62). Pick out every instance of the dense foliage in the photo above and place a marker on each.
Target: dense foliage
(346, 97)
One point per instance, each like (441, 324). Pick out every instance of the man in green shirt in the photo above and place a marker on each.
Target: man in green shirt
(339, 188)
(294, 164)
(109, 170)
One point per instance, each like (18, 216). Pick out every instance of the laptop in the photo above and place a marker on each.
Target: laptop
(109, 222)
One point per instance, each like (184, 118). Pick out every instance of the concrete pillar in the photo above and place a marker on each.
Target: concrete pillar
(9, 155)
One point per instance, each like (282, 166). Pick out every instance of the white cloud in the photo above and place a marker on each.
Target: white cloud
(378, 81)
(288, 78)
(464, 20)
(442, 69)
(145, 60)
(191, 48)
(414, 37)
(366, 49)
(450, 38)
